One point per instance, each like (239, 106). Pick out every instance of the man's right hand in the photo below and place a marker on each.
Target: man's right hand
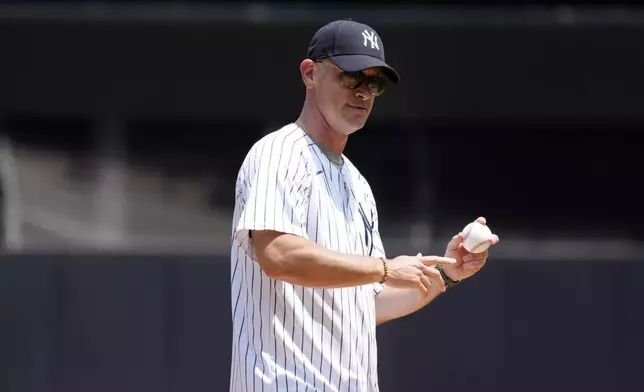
(417, 272)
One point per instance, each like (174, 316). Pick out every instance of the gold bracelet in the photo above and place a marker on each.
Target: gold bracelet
(384, 264)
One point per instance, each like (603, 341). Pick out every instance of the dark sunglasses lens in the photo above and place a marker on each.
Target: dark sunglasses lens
(378, 85)
(353, 80)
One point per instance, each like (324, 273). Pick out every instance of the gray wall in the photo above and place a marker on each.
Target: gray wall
(108, 323)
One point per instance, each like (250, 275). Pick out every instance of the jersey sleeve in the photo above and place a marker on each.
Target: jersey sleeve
(272, 192)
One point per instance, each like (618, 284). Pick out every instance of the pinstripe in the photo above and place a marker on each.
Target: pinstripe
(330, 333)
(293, 337)
(343, 248)
(244, 335)
(343, 293)
(283, 364)
(252, 309)
(321, 311)
(274, 351)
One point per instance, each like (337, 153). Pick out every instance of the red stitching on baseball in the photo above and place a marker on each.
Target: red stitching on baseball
(478, 245)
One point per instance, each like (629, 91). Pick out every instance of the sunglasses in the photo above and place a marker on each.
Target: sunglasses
(354, 80)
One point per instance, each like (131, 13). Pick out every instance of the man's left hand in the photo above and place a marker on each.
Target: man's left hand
(467, 264)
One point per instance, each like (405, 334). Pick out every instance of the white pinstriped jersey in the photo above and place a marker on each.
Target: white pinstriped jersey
(288, 337)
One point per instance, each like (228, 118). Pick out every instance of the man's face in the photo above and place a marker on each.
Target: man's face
(346, 110)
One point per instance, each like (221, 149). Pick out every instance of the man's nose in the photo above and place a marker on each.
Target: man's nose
(363, 93)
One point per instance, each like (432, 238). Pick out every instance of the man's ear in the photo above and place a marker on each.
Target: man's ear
(309, 73)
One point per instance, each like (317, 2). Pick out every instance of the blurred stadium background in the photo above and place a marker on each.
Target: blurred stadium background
(123, 125)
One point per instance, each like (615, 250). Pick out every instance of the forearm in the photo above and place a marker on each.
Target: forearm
(302, 262)
(393, 303)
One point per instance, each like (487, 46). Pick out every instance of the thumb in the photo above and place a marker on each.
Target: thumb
(456, 241)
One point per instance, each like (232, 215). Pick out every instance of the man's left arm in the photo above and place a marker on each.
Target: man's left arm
(393, 303)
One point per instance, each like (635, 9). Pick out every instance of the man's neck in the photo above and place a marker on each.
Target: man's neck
(320, 131)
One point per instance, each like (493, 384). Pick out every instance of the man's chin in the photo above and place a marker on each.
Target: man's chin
(351, 129)
(354, 125)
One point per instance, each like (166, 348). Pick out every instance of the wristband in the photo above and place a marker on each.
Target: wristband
(448, 282)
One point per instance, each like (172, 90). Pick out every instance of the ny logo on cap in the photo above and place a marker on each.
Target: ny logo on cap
(371, 37)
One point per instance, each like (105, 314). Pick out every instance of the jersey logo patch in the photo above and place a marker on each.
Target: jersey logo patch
(368, 229)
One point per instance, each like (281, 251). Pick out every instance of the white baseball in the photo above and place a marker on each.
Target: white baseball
(476, 238)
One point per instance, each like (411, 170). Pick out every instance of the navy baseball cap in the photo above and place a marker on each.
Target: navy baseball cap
(352, 46)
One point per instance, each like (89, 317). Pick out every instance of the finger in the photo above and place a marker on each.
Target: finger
(481, 220)
(433, 260)
(421, 285)
(426, 283)
(455, 242)
(494, 240)
(436, 279)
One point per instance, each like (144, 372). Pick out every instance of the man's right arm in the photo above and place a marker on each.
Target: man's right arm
(302, 262)
(299, 261)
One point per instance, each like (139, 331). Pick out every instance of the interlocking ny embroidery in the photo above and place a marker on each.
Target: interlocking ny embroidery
(371, 37)
(368, 229)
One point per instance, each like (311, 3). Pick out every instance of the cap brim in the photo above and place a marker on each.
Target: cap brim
(360, 62)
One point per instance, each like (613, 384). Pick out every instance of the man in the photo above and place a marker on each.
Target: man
(309, 276)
